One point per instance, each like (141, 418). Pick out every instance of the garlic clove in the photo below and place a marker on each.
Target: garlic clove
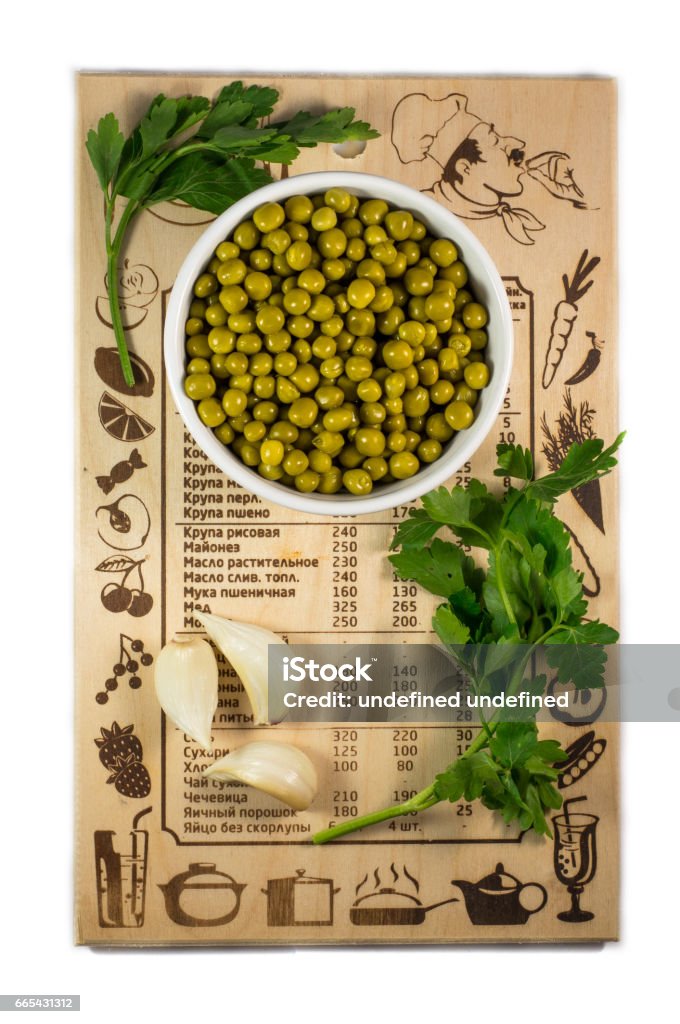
(186, 680)
(283, 771)
(246, 648)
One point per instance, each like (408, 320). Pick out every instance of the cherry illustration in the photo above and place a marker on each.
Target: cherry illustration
(115, 597)
(140, 604)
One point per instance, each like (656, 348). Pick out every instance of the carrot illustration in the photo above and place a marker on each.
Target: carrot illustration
(565, 314)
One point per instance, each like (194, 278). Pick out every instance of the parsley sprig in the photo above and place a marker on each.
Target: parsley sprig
(200, 152)
(494, 619)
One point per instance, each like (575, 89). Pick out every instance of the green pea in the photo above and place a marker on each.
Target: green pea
(271, 452)
(286, 391)
(265, 411)
(329, 442)
(300, 326)
(357, 481)
(227, 251)
(199, 346)
(319, 461)
(441, 392)
(268, 217)
(459, 415)
(329, 397)
(332, 368)
(235, 402)
(225, 433)
(418, 281)
(255, 431)
(358, 368)
(417, 401)
(269, 319)
(246, 235)
(299, 209)
(284, 431)
(372, 271)
(372, 413)
(199, 385)
(218, 366)
(322, 308)
(305, 377)
(298, 256)
(332, 242)
(275, 473)
(412, 440)
(250, 455)
(376, 467)
(356, 249)
(280, 341)
(369, 390)
(285, 363)
(396, 442)
(249, 344)
(297, 301)
(428, 372)
(439, 305)
(372, 211)
(402, 465)
(295, 462)
(338, 419)
(330, 482)
(397, 354)
(307, 481)
(464, 393)
(231, 272)
(260, 364)
(429, 450)
(276, 242)
(303, 412)
(338, 199)
(264, 387)
(437, 427)
(333, 270)
(412, 331)
(198, 365)
(399, 224)
(324, 218)
(333, 326)
(360, 293)
(369, 441)
(478, 339)
(216, 315)
(476, 375)
(443, 252)
(205, 285)
(211, 412)
(312, 281)
(261, 260)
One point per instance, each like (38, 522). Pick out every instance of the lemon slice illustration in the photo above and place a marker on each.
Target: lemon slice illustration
(121, 422)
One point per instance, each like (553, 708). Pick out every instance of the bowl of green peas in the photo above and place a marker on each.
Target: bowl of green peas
(338, 343)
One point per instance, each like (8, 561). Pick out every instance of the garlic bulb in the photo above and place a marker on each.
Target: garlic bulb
(246, 648)
(281, 770)
(186, 686)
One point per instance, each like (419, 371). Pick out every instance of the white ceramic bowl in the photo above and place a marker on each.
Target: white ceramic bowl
(488, 288)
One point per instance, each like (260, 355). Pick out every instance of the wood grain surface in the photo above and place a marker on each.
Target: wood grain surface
(542, 201)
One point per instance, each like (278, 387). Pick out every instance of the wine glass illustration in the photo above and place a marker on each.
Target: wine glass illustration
(575, 857)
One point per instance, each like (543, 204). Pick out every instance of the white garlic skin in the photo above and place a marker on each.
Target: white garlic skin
(246, 648)
(279, 769)
(186, 681)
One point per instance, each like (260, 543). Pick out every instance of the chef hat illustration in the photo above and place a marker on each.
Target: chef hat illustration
(417, 121)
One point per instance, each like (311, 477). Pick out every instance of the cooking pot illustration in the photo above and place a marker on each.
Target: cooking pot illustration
(301, 900)
(386, 906)
(500, 898)
(202, 897)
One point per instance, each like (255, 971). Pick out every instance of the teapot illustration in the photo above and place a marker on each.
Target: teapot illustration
(500, 898)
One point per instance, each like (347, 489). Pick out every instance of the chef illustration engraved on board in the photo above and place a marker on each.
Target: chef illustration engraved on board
(473, 168)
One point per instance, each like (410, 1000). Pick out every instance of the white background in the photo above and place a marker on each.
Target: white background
(43, 46)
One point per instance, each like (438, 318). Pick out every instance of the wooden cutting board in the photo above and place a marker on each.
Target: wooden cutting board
(542, 201)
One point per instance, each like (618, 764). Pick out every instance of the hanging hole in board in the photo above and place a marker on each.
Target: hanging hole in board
(349, 150)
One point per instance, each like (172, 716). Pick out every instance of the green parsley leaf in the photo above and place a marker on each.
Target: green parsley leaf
(449, 628)
(416, 531)
(334, 126)
(582, 463)
(208, 184)
(514, 461)
(105, 147)
(439, 568)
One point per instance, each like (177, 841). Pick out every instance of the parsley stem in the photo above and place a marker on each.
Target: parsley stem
(420, 802)
(113, 248)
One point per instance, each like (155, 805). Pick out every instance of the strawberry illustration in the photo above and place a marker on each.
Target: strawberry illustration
(130, 777)
(121, 752)
(118, 742)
